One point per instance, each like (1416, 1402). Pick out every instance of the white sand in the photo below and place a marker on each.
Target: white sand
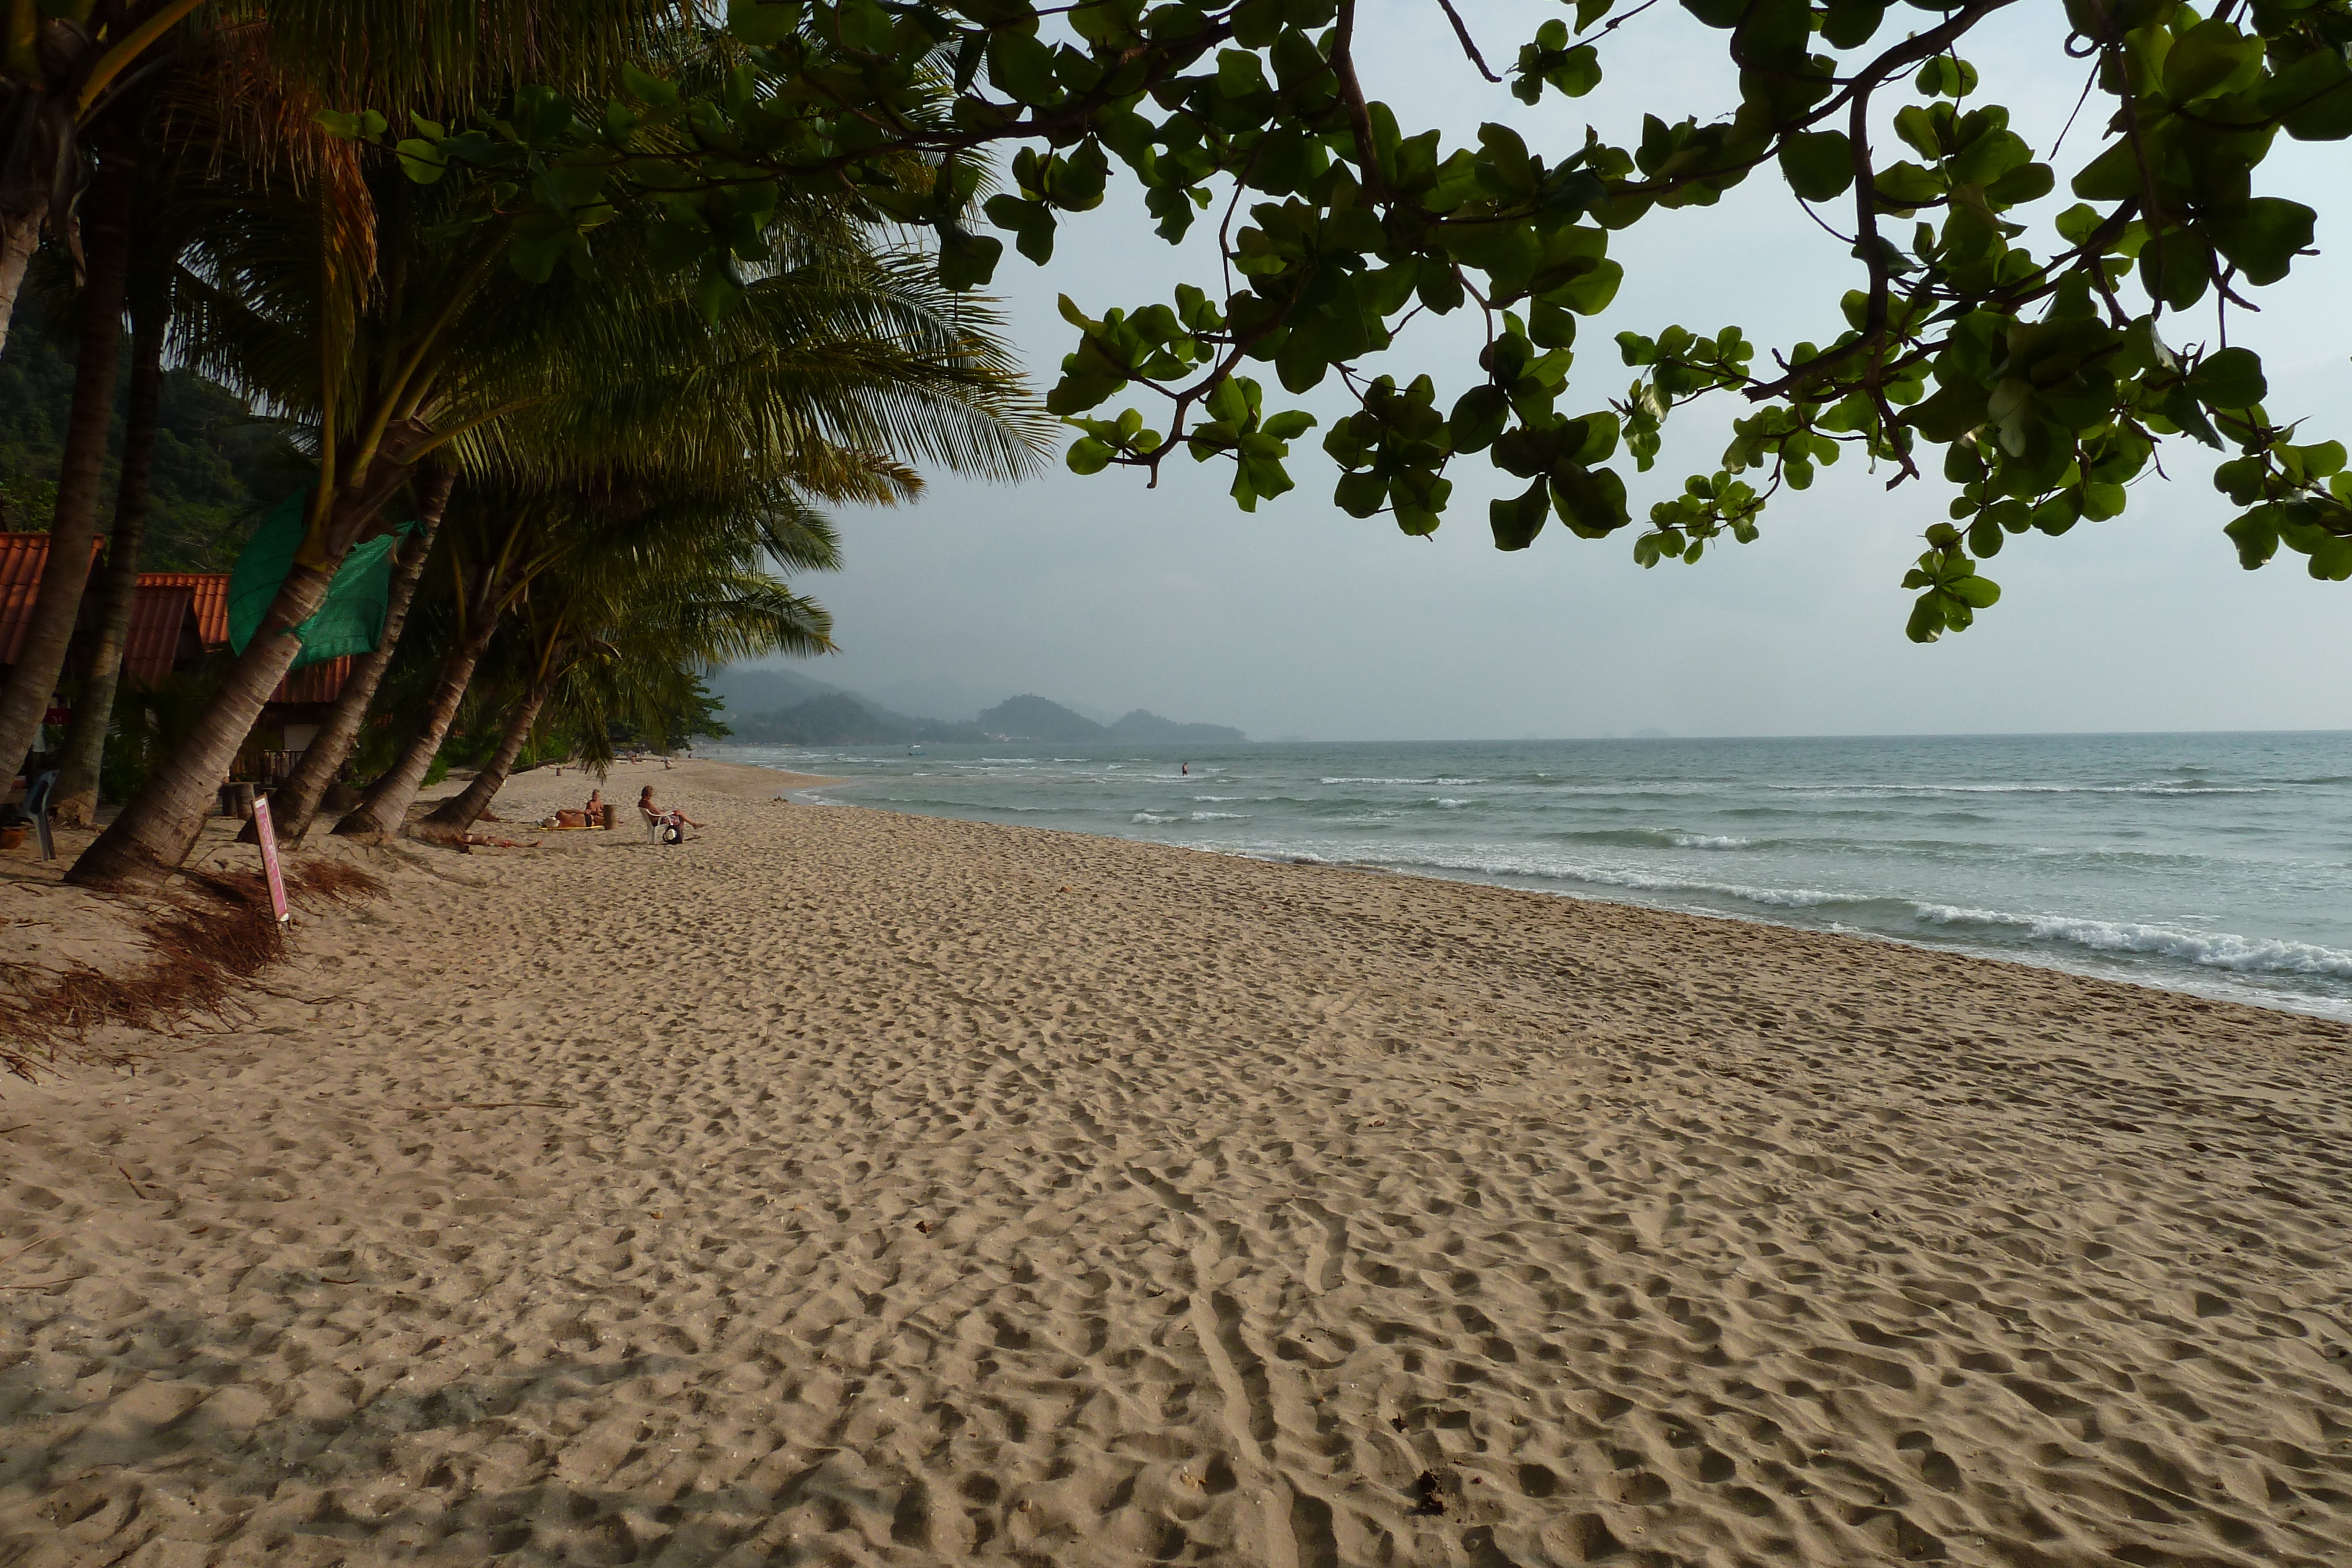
(846, 1187)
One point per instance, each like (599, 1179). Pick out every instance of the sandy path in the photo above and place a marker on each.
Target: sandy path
(842, 1187)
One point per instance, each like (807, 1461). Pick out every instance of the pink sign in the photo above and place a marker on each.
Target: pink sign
(261, 830)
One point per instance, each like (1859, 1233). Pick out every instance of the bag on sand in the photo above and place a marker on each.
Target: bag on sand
(672, 833)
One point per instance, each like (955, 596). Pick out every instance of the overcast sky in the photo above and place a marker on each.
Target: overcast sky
(1302, 621)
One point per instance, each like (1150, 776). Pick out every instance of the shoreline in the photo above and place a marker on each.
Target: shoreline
(2217, 990)
(852, 1185)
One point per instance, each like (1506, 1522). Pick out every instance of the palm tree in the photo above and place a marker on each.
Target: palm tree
(288, 306)
(107, 216)
(68, 70)
(625, 627)
(295, 803)
(247, 89)
(838, 363)
(366, 304)
(74, 799)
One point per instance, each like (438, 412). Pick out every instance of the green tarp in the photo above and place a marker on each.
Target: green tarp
(351, 619)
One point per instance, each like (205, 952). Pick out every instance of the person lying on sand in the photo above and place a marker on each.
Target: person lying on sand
(467, 842)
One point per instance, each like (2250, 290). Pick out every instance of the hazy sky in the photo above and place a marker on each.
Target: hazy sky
(1301, 621)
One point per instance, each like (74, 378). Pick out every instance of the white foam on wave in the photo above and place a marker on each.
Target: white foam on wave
(1710, 841)
(1919, 791)
(1454, 804)
(1439, 781)
(1495, 859)
(2211, 950)
(1156, 818)
(1220, 816)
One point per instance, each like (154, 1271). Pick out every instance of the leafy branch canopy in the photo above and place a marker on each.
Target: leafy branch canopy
(2039, 369)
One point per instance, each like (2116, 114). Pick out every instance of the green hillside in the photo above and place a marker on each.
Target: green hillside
(218, 466)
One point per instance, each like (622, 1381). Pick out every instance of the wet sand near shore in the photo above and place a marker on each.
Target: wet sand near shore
(844, 1187)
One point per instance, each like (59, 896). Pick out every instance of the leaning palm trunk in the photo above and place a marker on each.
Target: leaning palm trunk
(461, 811)
(20, 236)
(294, 804)
(41, 658)
(385, 806)
(157, 830)
(77, 792)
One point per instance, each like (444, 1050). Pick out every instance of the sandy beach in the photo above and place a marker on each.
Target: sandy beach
(844, 1187)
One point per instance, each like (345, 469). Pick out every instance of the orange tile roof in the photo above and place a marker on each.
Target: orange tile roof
(318, 683)
(211, 590)
(23, 558)
(159, 613)
(164, 602)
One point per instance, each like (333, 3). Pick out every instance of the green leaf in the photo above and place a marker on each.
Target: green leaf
(2263, 236)
(1977, 592)
(1517, 520)
(2229, 379)
(1478, 418)
(2210, 58)
(1848, 24)
(2256, 535)
(1591, 501)
(646, 87)
(1023, 67)
(763, 22)
(1360, 495)
(1088, 455)
(1818, 165)
(422, 161)
(967, 260)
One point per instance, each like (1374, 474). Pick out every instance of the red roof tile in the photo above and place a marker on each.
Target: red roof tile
(158, 616)
(210, 588)
(23, 558)
(320, 683)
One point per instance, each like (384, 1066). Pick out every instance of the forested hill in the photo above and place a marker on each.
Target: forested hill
(217, 467)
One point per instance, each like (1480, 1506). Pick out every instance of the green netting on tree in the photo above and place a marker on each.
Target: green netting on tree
(351, 619)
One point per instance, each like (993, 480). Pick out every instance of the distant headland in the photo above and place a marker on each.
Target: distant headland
(784, 707)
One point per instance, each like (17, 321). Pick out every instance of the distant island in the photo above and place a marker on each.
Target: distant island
(783, 707)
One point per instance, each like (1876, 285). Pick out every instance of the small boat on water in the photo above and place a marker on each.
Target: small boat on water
(915, 751)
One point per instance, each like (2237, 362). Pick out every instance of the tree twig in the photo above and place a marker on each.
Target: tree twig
(1469, 45)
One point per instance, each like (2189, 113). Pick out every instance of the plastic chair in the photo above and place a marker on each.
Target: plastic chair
(36, 806)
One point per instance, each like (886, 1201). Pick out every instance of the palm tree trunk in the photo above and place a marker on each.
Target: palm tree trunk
(384, 808)
(20, 236)
(93, 712)
(459, 813)
(294, 804)
(157, 829)
(106, 221)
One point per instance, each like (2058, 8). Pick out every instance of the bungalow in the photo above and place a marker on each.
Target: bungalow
(177, 620)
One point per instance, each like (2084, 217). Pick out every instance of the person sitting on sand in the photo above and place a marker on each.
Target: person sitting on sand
(594, 812)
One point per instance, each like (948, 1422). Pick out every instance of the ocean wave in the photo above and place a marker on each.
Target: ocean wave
(1454, 781)
(1156, 817)
(1915, 791)
(1709, 842)
(1220, 816)
(1492, 860)
(2221, 950)
(1452, 804)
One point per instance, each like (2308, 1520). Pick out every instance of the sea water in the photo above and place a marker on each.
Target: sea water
(2213, 863)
